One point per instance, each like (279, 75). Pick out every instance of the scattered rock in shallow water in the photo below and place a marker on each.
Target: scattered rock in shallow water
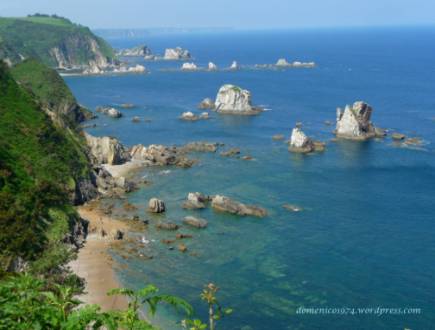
(195, 201)
(182, 248)
(231, 152)
(168, 241)
(354, 122)
(167, 226)
(398, 136)
(225, 204)
(189, 67)
(292, 207)
(278, 137)
(207, 103)
(301, 143)
(183, 236)
(156, 206)
(380, 132)
(190, 116)
(135, 119)
(195, 222)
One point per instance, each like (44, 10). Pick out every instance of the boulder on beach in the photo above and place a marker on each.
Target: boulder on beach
(195, 222)
(225, 204)
(232, 99)
(106, 150)
(156, 205)
(354, 122)
(177, 53)
(207, 103)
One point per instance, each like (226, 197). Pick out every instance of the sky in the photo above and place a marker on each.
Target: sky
(242, 14)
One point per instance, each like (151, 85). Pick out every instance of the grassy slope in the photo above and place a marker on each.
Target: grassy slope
(37, 165)
(35, 36)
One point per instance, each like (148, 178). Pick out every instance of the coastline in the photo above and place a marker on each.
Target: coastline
(94, 263)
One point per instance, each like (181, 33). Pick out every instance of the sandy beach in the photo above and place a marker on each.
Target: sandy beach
(94, 263)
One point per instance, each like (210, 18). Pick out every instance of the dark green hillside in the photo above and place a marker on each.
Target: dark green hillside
(39, 168)
(50, 90)
(56, 41)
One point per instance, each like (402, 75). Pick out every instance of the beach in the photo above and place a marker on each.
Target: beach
(94, 263)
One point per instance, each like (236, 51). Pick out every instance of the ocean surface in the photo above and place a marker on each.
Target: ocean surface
(366, 235)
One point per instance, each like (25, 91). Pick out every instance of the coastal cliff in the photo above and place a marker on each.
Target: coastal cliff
(55, 41)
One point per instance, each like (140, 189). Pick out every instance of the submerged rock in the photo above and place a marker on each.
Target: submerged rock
(292, 207)
(182, 248)
(414, 141)
(177, 53)
(278, 137)
(225, 204)
(200, 147)
(398, 136)
(232, 99)
(354, 122)
(195, 222)
(231, 152)
(135, 119)
(167, 226)
(156, 206)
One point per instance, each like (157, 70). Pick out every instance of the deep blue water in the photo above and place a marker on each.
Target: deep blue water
(366, 235)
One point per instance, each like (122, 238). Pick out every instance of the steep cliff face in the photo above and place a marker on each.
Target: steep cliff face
(55, 41)
(53, 94)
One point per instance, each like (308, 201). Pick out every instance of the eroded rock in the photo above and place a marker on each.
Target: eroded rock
(225, 204)
(156, 205)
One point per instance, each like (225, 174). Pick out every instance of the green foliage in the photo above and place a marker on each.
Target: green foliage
(35, 36)
(37, 164)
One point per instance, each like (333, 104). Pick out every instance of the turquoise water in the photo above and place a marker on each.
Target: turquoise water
(366, 235)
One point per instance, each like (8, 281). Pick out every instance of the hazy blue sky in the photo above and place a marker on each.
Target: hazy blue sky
(230, 13)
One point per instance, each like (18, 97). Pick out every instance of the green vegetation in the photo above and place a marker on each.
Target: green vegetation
(30, 303)
(50, 90)
(41, 36)
(37, 165)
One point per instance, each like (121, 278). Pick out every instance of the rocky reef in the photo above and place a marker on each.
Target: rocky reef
(354, 122)
(282, 63)
(189, 66)
(301, 143)
(225, 204)
(232, 99)
(177, 53)
(138, 51)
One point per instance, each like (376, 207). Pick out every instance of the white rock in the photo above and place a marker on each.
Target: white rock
(156, 205)
(282, 62)
(354, 122)
(176, 54)
(212, 66)
(234, 66)
(138, 69)
(106, 150)
(299, 141)
(189, 67)
(204, 115)
(233, 99)
(188, 116)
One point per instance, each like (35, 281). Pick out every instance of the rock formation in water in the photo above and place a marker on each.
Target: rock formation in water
(234, 66)
(189, 116)
(156, 206)
(225, 204)
(111, 112)
(189, 66)
(282, 62)
(212, 66)
(354, 122)
(196, 201)
(138, 51)
(300, 142)
(159, 155)
(106, 150)
(207, 103)
(234, 100)
(176, 54)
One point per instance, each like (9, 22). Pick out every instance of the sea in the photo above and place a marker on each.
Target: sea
(361, 252)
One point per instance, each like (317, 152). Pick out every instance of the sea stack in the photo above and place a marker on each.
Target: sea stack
(301, 143)
(177, 54)
(212, 66)
(232, 99)
(354, 122)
